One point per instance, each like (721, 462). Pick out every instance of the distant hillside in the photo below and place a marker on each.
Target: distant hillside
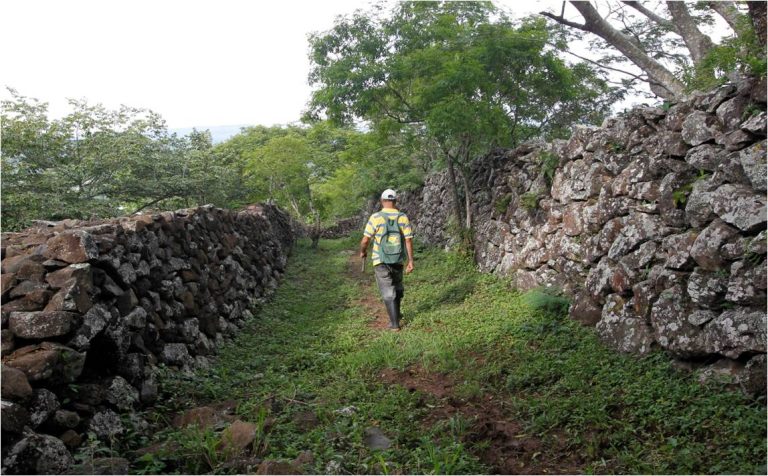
(218, 133)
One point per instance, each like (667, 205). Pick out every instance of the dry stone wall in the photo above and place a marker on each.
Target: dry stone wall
(91, 309)
(654, 223)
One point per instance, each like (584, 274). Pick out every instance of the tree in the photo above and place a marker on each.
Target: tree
(668, 45)
(96, 162)
(458, 75)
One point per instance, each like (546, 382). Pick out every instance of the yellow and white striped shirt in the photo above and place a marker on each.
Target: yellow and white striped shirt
(376, 227)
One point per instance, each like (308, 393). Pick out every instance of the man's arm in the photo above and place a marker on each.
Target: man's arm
(364, 246)
(409, 249)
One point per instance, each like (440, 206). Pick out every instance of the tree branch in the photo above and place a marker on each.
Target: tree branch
(563, 21)
(651, 15)
(729, 12)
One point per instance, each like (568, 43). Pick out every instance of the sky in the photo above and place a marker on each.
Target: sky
(197, 63)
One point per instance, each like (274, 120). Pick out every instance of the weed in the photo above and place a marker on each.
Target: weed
(530, 200)
(502, 204)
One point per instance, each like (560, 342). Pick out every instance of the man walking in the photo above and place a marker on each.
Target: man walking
(392, 242)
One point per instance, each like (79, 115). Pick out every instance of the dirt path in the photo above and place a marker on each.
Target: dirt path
(506, 448)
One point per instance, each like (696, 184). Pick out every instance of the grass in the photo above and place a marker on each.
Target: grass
(311, 349)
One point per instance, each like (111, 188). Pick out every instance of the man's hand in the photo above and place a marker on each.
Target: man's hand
(364, 246)
(409, 267)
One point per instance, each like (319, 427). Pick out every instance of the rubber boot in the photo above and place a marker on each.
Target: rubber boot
(397, 307)
(394, 320)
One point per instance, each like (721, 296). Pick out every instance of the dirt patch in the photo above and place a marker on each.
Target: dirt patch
(494, 434)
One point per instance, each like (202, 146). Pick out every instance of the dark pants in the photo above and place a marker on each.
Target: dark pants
(389, 277)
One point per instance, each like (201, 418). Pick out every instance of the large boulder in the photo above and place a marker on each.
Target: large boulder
(41, 324)
(736, 332)
(700, 127)
(706, 247)
(72, 246)
(49, 362)
(15, 384)
(38, 454)
(621, 329)
(13, 417)
(740, 206)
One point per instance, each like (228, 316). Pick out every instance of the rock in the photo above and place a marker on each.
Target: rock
(32, 301)
(306, 421)
(584, 310)
(202, 417)
(121, 394)
(103, 466)
(237, 437)
(735, 332)
(375, 439)
(739, 206)
(731, 111)
(669, 318)
(678, 250)
(136, 319)
(753, 162)
(41, 324)
(637, 229)
(94, 322)
(149, 391)
(7, 281)
(106, 425)
(747, 285)
(705, 157)
(71, 439)
(304, 458)
(346, 411)
(707, 289)
(7, 341)
(755, 124)
(621, 329)
(700, 127)
(176, 354)
(48, 361)
(72, 246)
(38, 454)
(706, 248)
(757, 245)
(66, 418)
(15, 385)
(81, 273)
(43, 405)
(278, 467)
(13, 417)
(753, 378)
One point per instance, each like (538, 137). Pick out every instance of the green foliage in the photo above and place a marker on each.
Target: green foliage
(96, 162)
(549, 163)
(547, 299)
(680, 196)
(530, 200)
(502, 204)
(742, 52)
(311, 349)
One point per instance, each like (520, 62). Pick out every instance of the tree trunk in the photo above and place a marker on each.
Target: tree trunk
(454, 191)
(467, 199)
(757, 14)
(698, 43)
(661, 80)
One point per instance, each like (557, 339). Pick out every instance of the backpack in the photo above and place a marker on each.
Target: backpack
(392, 241)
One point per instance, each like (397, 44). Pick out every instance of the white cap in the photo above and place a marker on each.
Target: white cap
(389, 194)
